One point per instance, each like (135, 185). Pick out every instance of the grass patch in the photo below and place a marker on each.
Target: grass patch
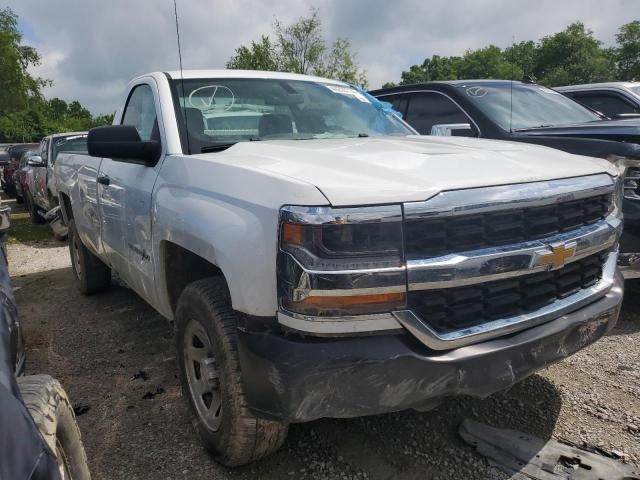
(23, 231)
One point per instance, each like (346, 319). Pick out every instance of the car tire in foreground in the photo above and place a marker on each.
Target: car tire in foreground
(92, 274)
(52, 413)
(210, 374)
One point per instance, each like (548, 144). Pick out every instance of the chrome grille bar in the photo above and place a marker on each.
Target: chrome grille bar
(489, 264)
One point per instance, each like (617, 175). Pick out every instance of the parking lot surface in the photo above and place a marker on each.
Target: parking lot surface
(115, 356)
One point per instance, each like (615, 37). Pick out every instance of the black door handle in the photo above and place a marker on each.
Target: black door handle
(103, 179)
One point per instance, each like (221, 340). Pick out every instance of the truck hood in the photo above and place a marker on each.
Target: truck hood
(359, 171)
(615, 130)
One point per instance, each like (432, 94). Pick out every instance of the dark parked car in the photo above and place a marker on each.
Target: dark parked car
(4, 155)
(614, 99)
(15, 153)
(522, 112)
(8, 304)
(20, 175)
(39, 436)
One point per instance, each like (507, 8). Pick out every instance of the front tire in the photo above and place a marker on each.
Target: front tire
(211, 377)
(92, 274)
(51, 411)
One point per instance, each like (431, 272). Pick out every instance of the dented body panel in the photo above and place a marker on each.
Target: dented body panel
(298, 380)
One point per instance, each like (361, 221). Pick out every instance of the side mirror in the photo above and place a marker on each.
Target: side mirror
(35, 161)
(122, 143)
(445, 129)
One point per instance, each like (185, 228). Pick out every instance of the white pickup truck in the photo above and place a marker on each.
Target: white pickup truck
(319, 259)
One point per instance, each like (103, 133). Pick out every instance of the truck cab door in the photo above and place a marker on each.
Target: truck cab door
(125, 193)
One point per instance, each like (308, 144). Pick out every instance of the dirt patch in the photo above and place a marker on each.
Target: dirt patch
(25, 231)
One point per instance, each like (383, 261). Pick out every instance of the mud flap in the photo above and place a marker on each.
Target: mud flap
(528, 457)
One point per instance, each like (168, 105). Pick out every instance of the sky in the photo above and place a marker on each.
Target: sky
(91, 48)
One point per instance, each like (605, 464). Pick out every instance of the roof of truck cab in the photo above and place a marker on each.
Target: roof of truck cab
(590, 86)
(189, 74)
(445, 83)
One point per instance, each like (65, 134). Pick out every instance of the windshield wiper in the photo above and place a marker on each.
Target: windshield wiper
(532, 128)
(216, 147)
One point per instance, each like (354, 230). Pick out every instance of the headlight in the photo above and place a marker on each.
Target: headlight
(630, 170)
(341, 261)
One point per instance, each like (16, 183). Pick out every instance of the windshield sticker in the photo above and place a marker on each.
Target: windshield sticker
(342, 90)
(477, 92)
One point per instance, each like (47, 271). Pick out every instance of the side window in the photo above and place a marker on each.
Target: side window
(607, 103)
(141, 113)
(429, 108)
(399, 102)
(44, 150)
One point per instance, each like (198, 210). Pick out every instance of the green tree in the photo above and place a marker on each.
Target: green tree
(301, 45)
(627, 55)
(572, 56)
(25, 115)
(487, 62)
(99, 120)
(434, 68)
(57, 109)
(524, 55)
(339, 62)
(260, 55)
(301, 48)
(17, 86)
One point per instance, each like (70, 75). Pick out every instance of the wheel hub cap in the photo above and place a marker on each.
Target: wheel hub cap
(203, 375)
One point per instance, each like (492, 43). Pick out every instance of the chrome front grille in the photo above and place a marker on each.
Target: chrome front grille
(450, 309)
(494, 260)
(431, 237)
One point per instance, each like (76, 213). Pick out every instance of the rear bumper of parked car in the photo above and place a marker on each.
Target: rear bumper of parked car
(298, 379)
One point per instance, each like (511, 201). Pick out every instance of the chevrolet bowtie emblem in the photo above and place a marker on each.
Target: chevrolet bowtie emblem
(558, 256)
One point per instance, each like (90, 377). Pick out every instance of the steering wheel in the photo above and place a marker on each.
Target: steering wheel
(206, 103)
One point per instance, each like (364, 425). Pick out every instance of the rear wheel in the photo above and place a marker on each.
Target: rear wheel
(92, 274)
(210, 374)
(33, 210)
(51, 411)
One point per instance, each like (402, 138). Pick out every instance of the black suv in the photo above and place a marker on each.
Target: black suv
(523, 112)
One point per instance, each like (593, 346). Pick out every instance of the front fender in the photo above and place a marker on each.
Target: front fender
(228, 216)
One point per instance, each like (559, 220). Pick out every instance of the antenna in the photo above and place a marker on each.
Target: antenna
(184, 107)
(513, 43)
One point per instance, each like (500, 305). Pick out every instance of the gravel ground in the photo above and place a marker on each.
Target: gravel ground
(115, 356)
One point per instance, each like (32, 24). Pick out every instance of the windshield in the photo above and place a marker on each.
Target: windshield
(220, 112)
(635, 90)
(533, 106)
